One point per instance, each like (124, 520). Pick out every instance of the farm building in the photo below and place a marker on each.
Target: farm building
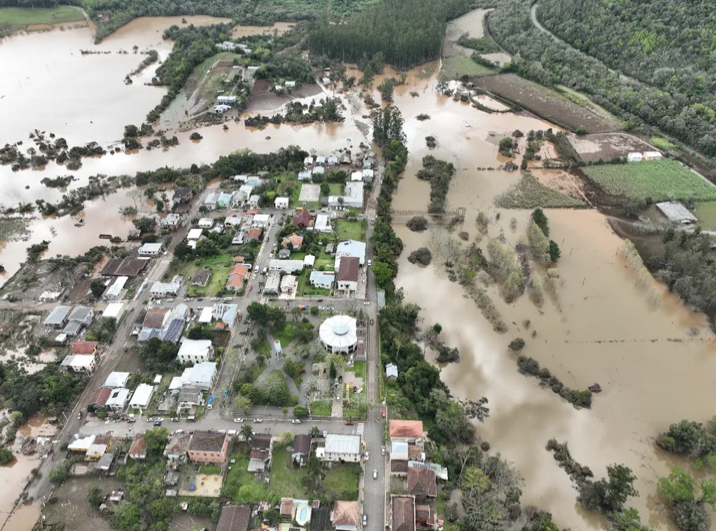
(635, 157)
(676, 212)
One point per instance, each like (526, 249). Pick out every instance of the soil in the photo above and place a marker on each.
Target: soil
(607, 146)
(35, 278)
(546, 103)
(563, 182)
(262, 99)
(72, 507)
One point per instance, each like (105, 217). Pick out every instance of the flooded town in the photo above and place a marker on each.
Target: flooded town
(255, 279)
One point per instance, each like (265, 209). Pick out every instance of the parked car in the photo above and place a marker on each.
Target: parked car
(371, 322)
(382, 450)
(79, 415)
(175, 419)
(296, 421)
(258, 421)
(349, 423)
(365, 520)
(375, 474)
(215, 299)
(338, 398)
(238, 420)
(157, 422)
(383, 412)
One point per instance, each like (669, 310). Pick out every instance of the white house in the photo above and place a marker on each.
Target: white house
(195, 351)
(221, 109)
(320, 160)
(281, 202)
(342, 448)
(227, 46)
(261, 221)
(368, 175)
(287, 266)
(201, 375)
(348, 274)
(308, 162)
(322, 279)
(79, 363)
(115, 290)
(116, 379)
(319, 170)
(171, 221)
(194, 234)
(151, 249)
(357, 176)
(350, 248)
(205, 223)
(304, 175)
(254, 201)
(226, 100)
(118, 399)
(653, 155)
(224, 200)
(212, 198)
(273, 282)
(142, 397)
(288, 283)
(166, 289)
(322, 223)
(635, 157)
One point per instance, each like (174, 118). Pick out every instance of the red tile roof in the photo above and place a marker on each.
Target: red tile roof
(403, 513)
(345, 513)
(253, 234)
(405, 428)
(101, 396)
(422, 482)
(302, 219)
(83, 347)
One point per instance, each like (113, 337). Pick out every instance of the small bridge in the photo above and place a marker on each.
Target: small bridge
(458, 213)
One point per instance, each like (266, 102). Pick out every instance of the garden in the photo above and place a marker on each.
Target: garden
(351, 230)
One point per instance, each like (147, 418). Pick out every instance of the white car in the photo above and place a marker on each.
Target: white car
(238, 420)
(296, 421)
(375, 474)
(258, 421)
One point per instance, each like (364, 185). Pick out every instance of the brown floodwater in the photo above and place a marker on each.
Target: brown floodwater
(656, 362)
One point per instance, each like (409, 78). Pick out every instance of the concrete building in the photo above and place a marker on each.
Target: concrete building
(342, 448)
(115, 290)
(151, 249)
(114, 310)
(205, 223)
(367, 176)
(79, 363)
(138, 450)
(208, 447)
(635, 157)
(212, 199)
(319, 170)
(281, 202)
(339, 334)
(304, 176)
(320, 160)
(166, 289)
(261, 221)
(286, 266)
(348, 275)
(322, 223)
(57, 318)
(171, 221)
(194, 351)
(81, 314)
(350, 248)
(356, 176)
(142, 397)
(194, 234)
(117, 379)
(201, 375)
(273, 283)
(308, 162)
(322, 279)
(288, 284)
(117, 399)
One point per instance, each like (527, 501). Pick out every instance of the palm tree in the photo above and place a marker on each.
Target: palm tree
(247, 432)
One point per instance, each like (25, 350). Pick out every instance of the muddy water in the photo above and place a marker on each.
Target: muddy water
(655, 363)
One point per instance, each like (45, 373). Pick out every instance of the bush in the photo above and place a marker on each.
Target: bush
(422, 256)
(195, 136)
(517, 344)
(417, 224)
(300, 412)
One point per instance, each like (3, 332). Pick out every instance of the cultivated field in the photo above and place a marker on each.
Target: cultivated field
(606, 146)
(549, 104)
(657, 180)
(19, 18)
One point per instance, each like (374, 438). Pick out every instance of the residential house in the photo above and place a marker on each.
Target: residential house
(208, 447)
(84, 347)
(402, 513)
(288, 284)
(273, 282)
(322, 279)
(510, 166)
(308, 162)
(322, 223)
(253, 234)
(194, 351)
(261, 449)
(171, 221)
(352, 197)
(304, 176)
(237, 276)
(367, 176)
(79, 363)
(117, 379)
(224, 200)
(255, 180)
(142, 397)
(115, 290)
(425, 516)
(422, 483)
(202, 375)
(138, 450)
(320, 160)
(294, 239)
(368, 163)
(309, 260)
(118, 399)
(100, 397)
(346, 516)
(319, 170)
(81, 443)
(124, 267)
(226, 100)
(57, 318)
(653, 155)
(284, 254)
(348, 274)
(226, 46)
(164, 324)
(194, 235)
(341, 448)
(409, 431)
(234, 518)
(105, 462)
(356, 176)
(301, 449)
(212, 199)
(201, 277)
(261, 221)
(205, 223)
(166, 289)
(350, 248)
(635, 157)
(114, 310)
(281, 202)
(290, 85)
(254, 201)
(151, 249)
(232, 222)
(391, 371)
(182, 195)
(177, 446)
(332, 160)
(302, 219)
(285, 266)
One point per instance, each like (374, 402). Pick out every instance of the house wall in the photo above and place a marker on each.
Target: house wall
(348, 458)
(210, 457)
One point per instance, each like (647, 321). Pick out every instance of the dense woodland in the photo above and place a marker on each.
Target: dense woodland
(540, 58)
(407, 32)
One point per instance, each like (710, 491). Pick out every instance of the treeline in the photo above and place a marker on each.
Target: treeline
(328, 111)
(537, 56)
(439, 174)
(407, 32)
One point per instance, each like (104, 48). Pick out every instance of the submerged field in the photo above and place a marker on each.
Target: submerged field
(657, 180)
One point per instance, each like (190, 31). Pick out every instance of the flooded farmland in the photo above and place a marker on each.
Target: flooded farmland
(655, 362)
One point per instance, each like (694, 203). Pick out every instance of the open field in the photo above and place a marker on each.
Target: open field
(240, 484)
(219, 265)
(321, 408)
(358, 368)
(606, 146)
(19, 18)
(658, 180)
(549, 104)
(351, 230)
(530, 193)
(262, 99)
(458, 66)
(706, 213)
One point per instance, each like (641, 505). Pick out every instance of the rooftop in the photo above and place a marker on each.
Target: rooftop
(139, 445)
(422, 482)
(342, 444)
(155, 317)
(101, 395)
(117, 379)
(124, 267)
(403, 513)
(348, 269)
(301, 444)
(406, 428)
(207, 441)
(345, 513)
(83, 347)
(194, 347)
(234, 518)
(57, 316)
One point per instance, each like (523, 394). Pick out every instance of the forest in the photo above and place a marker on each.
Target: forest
(689, 115)
(407, 32)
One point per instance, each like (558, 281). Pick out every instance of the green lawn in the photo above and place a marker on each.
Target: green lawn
(655, 180)
(440, 503)
(287, 480)
(351, 230)
(305, 288)
(219, 265)
(455, 67)
(239, 484)
(264, 348)
(358, 368)
(210, 469)
(322, 408)
(706, 214)
(19, 18)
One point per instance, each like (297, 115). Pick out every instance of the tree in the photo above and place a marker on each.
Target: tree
(554, 252)
(417, 223)
(325, 189)
(517, 344)
(388, 126)
(247, 432)
(422, 256)
(687, 437)
(691, 516)
(332, 372)
(97, 288)
(677, 487)
(314, 310)
(383, 273)
(316, 471)
(157, 354)
(541, 220)
(60, 472)
(620, 487)
(131, 131)
(452, 424)
(5, 455)
(437, 328)
(386, 90)
(156, 440)
(94, 497)
(300, 412)
(506, 146)
(145, 224)
(473, 478)
(243, 403)
(126, 516)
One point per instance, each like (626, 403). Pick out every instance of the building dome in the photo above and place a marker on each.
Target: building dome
(338, 333)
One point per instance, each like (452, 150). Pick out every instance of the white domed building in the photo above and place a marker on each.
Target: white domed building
(339, 334)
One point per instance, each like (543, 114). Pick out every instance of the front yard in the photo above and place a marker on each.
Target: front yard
(239, 484)
(351, 230)
(219, 265)
(359, 369)
(322, 408)
(305, 288)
